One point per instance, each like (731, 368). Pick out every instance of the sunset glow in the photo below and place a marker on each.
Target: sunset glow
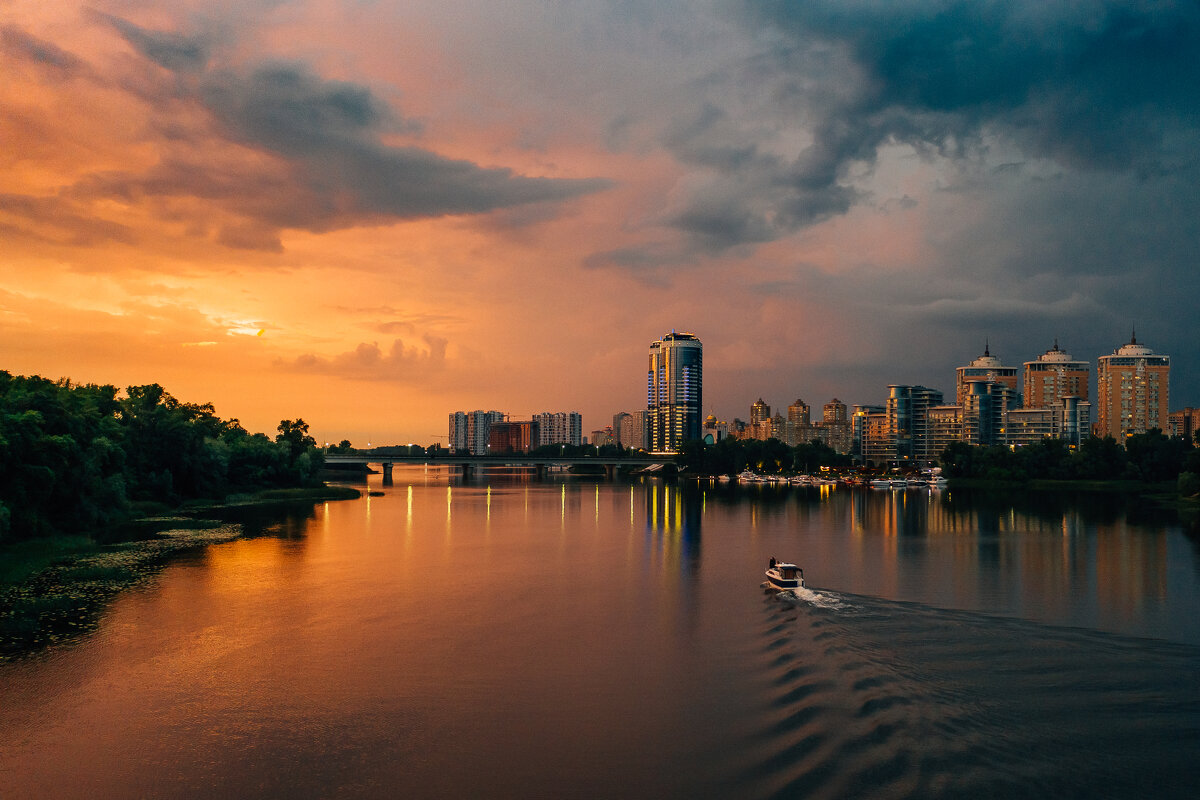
(368, 215)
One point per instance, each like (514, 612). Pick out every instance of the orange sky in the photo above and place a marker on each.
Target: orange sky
(370, 215)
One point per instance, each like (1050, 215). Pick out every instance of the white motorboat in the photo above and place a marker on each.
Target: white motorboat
(782, 575)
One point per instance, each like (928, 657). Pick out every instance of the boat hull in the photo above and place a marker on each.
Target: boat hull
(785, 576)
(784, 583)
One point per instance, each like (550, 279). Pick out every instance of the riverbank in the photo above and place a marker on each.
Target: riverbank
(54, 589)
(1047, 485)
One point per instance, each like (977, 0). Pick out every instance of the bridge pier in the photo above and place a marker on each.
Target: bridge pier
(387, 473)
(540, 469)
(467, 469)
(610, 471)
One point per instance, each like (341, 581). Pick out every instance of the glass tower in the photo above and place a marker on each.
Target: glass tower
(674, 396)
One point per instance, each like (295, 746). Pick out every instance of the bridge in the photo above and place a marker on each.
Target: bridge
(469, 463)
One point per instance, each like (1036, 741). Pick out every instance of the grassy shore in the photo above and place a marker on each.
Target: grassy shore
(54, 589)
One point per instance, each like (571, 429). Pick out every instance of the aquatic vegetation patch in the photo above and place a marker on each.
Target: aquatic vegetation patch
(66, 599)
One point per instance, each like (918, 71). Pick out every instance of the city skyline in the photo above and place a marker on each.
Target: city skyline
(366, 215)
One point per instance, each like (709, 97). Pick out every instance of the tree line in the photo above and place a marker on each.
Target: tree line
(1151, 457)
(79, 457)
(770, 457)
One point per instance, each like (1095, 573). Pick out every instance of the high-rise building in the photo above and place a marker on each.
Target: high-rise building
(945, 427)
(834, 412)
(836, 427)
(559, 427)
(1069, 421)
(984, 410)
(640, 429)
(512, 437)
(1132, 387)
(798, 429)
(858, 426)
(624, 430)
(1184, 423)
(759, 412)
(1053, 376)
(908, 422)
(985, 368)
(674, 391)
(470, 430)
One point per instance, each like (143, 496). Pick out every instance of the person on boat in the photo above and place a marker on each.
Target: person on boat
(772, 564)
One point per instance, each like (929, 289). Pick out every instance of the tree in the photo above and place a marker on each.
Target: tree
(294, 433)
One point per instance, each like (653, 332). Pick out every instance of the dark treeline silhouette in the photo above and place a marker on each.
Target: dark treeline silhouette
(75, 458)
(730, 456)
(1152, 457)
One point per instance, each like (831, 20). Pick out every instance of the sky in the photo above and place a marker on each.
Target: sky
(368, 214)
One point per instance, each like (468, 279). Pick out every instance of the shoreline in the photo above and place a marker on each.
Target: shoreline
(54, 590)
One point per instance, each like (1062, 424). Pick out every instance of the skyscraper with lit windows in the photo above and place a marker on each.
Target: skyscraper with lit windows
(674, 391)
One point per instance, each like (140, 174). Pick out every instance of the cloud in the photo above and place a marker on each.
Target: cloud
(401, 363)
(174, 51)
(47, 219)
(1102, 85)
(25, 47)
(249, 152)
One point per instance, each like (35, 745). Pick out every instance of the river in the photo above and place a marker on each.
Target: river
(579, 639)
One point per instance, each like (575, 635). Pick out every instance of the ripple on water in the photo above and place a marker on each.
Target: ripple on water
(903, 700)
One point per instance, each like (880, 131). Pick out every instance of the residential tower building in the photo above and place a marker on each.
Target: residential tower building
(1132, 391)
(674, 391)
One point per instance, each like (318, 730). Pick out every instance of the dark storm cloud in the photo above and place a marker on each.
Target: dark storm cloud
(1100, 85)
(326, 163)
(174, 51)
(29, 48)
(330, 132)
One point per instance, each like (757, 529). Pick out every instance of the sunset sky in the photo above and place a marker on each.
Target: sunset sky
(370, 214)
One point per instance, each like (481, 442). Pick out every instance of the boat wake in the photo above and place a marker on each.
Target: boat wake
(806, 596)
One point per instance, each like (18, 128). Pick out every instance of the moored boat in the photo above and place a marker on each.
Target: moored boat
(783, 575)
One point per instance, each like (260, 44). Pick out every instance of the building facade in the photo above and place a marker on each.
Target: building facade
(512, 437)
(674, 391)
(835, 426)
(470, 431)
(1053, 376)
(798, 429)
(559, 427)
(1070, 421)
(908, 422)
(984, 411)
(1184, 423)
(985, 368)
(1132, 391)
(624, 430)
(858, 423)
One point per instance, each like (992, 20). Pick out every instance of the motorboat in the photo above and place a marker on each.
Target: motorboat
(782, 575)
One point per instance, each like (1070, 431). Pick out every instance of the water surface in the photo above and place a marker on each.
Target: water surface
(509, 638)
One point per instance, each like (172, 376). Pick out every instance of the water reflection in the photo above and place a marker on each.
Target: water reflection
(673, 516)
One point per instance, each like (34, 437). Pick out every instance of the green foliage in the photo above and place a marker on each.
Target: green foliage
(1151, 457)
(730, 456)
(1189, 484)
(79, 457)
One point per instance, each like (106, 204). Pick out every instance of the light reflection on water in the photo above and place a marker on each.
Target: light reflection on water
(505, 637)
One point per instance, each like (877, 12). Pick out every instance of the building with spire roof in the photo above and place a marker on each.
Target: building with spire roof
(985, 368)
(1132, 391)
(1053, 376)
